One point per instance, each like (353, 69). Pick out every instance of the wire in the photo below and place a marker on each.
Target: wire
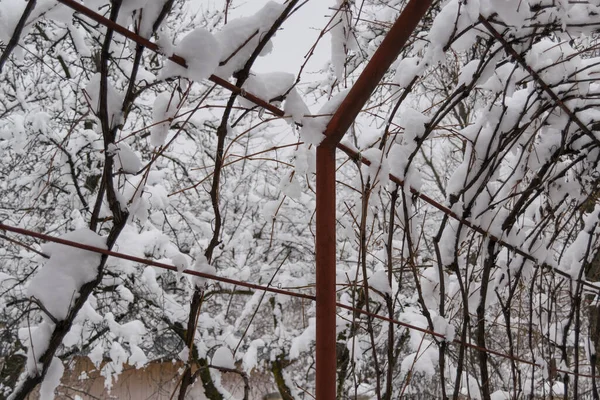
(128, 257)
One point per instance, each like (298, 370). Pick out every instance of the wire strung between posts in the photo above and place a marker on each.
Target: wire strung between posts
(440, 336)
(355, 155)
(140, 260)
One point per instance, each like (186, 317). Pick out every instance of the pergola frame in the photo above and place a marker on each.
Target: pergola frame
(343, 118)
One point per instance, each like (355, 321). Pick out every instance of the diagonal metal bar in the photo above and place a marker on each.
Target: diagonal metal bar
(382, 59)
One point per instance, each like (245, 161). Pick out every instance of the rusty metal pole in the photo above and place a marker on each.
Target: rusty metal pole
(325, 275)
(388, 51)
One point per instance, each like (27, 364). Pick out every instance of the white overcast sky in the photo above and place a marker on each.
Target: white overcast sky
(295, 38)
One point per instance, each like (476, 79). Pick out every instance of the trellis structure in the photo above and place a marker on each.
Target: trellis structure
(325, 246)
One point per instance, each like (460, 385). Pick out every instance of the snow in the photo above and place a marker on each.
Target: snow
(250, 359)
(553, 61)
(430, 286)
(125, 294)
(216, 376)
(303, 342)
(223, 358)
(158, 197)
(379, 282)
(354, 346)
(503, 78)
(57, 283)
(95, 4)
(114, 100)
(423, 361)
(342, 37)
(266, 86)
(137, 358)
(165, 42)
(52, 379)
(239, 38)
(180, 262)
(202, 265)
(295, 107)
(201, 52)
(125, 158)
(407, 69)
(458, 178)
(511, 12)
(270, 209)
(73, 337)
(443, 326)
(414, 124)
(379, 169)
(131, 332)
(36, 339)
(143, 75)
(96, 355)
(112, 370)
(574, 256)
(291, 187)
(149, 14)
(164, 109)
(184, 354)
(313, 126)
(443, 25)
(78, 35)
(126, 10)
(467, 72)
(451, 26)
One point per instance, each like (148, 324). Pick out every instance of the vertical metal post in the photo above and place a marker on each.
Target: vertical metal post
(326, 273)
(345, 115)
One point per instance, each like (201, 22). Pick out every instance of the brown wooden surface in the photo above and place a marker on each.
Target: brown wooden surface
(155, 381)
